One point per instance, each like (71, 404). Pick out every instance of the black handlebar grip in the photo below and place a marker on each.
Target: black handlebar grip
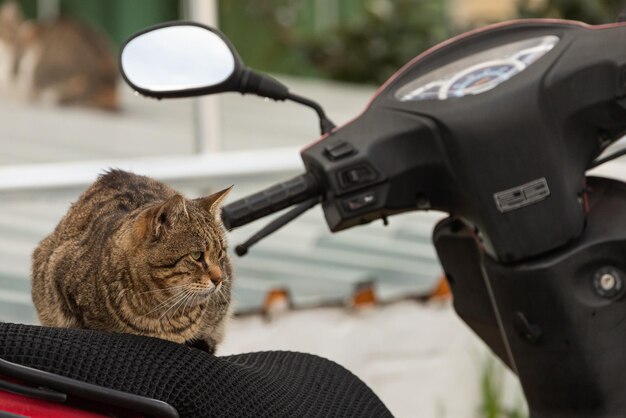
(270, 200)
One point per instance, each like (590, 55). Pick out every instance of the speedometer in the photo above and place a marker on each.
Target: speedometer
(480, 78)
(429, 91)
(477, 73)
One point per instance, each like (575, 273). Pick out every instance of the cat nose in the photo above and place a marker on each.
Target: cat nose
(215, 275)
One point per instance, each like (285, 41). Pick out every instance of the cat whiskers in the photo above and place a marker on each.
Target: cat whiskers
(221, 294)
(167, 302)
(188, 303)
(185, 294)
(164, 289)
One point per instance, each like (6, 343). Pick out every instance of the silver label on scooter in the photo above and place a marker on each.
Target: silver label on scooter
(524, 195)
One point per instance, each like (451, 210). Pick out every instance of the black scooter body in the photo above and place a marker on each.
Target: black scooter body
(540, 129)
(530, 240)
(544, 318)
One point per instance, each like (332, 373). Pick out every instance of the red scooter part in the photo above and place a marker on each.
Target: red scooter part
(35, 408)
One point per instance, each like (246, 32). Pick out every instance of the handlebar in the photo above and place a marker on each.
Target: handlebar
(270, 200)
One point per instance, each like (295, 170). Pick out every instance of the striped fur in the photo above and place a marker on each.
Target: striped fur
(121, 260)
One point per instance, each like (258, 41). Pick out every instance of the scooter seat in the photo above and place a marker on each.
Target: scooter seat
(196, 384)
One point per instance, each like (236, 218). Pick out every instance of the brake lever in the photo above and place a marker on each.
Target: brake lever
(276, 224)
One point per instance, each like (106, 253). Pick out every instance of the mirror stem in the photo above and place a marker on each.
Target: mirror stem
(326, 125)
(262, 85)
(265, 86)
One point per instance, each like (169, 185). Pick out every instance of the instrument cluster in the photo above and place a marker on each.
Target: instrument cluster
(477, 73)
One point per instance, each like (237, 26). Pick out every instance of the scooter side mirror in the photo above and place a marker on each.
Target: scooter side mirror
(181, 59)
(184, 59)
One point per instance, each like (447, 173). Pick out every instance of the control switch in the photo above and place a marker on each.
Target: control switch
(338, 150)
(356, 176)
(359, 202)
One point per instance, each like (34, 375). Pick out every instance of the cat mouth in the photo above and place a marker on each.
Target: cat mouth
(206, 292)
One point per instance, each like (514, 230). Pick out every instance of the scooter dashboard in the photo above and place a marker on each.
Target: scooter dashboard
(479, 72)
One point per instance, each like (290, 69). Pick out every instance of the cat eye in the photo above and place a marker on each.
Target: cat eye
(196, 255)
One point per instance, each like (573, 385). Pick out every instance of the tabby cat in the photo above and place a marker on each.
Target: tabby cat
(134, 256)
(59, 61)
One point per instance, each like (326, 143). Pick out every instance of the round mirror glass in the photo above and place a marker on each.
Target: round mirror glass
(175, 58)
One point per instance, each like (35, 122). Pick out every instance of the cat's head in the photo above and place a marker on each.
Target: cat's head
(10, 21)
(180, 244)
(15, 32)
(16, 35)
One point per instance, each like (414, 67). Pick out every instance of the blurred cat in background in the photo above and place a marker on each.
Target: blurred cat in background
(60, 61)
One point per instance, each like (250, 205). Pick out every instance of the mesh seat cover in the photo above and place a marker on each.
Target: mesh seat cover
(264, 384)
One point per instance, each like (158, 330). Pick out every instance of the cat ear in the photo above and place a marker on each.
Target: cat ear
(213, 203)
(155, 221)
(10, 13)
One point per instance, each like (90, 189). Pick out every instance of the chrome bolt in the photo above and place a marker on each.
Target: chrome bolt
(607, 282)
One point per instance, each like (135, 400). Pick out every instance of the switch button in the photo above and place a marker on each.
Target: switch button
(357, 176)
(360, 201)
(338, 150)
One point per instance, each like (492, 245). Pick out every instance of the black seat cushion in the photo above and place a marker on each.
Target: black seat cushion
(264, 384)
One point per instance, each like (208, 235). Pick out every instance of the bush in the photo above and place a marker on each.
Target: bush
(592, 12)
(365, 43)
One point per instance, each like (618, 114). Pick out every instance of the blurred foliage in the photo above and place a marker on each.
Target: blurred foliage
(29, 8)
(362, 41)
(390, 34)
(262, 34)
(357, 41)
(592, 12)
(492, 396)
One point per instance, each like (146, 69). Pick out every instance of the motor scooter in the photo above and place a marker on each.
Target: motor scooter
(497, 128)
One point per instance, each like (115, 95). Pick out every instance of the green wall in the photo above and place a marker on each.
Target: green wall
(121, 18)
